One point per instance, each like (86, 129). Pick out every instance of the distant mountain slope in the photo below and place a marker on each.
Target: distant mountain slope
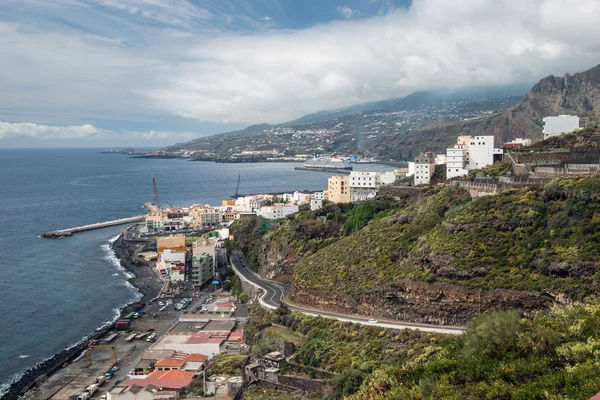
(572, 94)
(193, 143)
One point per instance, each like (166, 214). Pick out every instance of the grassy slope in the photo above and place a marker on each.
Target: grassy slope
(529, 238)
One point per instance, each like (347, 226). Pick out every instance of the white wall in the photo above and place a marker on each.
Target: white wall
(387, 177)
(554, 126)
(365, 179)
(456, 161)
(277, 211)
(411, 169)
(481, 152)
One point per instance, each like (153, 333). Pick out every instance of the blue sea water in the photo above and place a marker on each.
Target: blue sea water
(55, 292)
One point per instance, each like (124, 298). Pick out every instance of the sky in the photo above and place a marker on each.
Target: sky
(156, 72)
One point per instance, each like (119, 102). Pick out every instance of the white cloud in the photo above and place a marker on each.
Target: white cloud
(347, 12)
(86, 132)
(279, 75)
(8, 130)
(267, 18)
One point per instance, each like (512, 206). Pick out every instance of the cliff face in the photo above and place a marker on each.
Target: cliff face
(572, 94)
(433, 303)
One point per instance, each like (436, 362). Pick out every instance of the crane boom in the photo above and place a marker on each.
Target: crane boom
(156, 199)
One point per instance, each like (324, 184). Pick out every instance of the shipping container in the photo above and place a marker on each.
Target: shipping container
(122, 324)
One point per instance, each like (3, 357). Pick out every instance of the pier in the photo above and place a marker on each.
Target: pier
(98, 225)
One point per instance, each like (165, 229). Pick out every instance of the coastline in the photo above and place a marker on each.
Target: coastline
(143, 279)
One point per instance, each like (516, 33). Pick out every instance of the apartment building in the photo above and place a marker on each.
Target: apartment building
(424, 168)
(339, 189)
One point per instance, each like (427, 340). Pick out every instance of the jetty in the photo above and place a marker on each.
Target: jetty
(323, 169)
(98, 225)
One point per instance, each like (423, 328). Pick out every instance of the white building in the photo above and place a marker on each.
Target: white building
(319, 195)
(456, 162)
(387, 177)
(316, 204)
(277, 211)
(440, 159)
(554, 126)
(365, 179)
(172, 256)
(364, 185)
(411, 169)
(482, 152)
(424, 168)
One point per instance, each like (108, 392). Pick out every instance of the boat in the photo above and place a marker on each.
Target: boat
(328, 164)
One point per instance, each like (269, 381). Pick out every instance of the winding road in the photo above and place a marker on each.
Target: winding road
(276, 292)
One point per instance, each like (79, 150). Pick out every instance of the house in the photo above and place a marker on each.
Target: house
(171, 380)
(185, 362)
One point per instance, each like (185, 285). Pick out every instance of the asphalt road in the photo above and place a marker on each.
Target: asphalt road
(276, 292)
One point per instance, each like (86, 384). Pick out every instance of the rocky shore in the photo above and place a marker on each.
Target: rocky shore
(145, 280)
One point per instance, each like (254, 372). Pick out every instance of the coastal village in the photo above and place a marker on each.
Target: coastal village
(175, 344)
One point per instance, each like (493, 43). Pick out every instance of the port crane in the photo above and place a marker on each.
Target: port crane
(156, 199)
(88, 354)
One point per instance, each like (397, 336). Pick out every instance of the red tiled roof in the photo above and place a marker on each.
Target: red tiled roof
(196, 358)
(170, 363)
(174, 378)
(236, 336)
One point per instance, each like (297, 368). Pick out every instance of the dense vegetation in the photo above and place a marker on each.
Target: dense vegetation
(553, 355)
(227, 364)
(545, 238)
(306, 232)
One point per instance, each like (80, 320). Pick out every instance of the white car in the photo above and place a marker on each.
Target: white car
(160, 303)
(373, 321)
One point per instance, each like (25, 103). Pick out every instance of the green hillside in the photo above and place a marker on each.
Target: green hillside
(527, 238)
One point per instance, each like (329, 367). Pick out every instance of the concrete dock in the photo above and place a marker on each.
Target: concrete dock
(97, 225)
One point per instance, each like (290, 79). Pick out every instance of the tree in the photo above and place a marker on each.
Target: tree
(347, 383)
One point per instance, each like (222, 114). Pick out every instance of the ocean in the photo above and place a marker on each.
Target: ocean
(55, 292)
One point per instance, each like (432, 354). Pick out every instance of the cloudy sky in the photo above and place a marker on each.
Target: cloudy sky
(155, 72)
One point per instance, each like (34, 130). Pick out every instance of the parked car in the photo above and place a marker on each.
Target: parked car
(373, 321)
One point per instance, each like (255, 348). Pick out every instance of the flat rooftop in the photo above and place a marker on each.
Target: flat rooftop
(188, 327)
(216, 326)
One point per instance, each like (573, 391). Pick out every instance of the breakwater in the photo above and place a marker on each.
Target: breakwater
(98, 225)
